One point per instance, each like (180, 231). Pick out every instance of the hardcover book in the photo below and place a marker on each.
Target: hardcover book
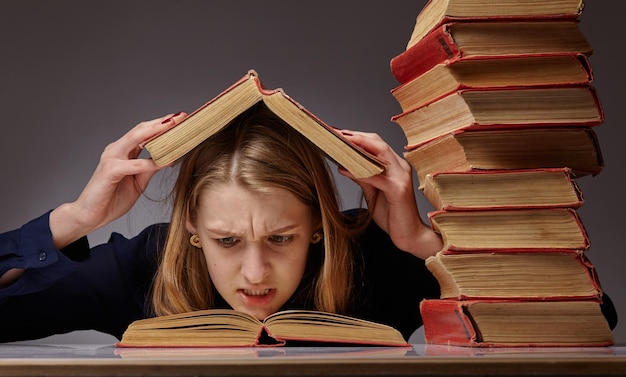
(575, 148)
(517, 230)
(243, 94)
(437, 12)
(503, 189)
(499, 323)
(471, 109)
(487, 40)
(520, 276)
(444, 79)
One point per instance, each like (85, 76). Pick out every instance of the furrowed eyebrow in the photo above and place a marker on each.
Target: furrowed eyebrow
(227, 233)
(222, 233)
(285, 229)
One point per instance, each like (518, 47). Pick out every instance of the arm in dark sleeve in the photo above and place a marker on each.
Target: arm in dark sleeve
(31, 248)
(103, 288)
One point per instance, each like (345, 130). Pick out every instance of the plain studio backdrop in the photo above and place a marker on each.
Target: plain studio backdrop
(76, 75)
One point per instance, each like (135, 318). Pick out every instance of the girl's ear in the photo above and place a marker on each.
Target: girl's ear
(190, 227)
(189, 224)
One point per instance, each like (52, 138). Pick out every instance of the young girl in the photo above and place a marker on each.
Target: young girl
(256, 226)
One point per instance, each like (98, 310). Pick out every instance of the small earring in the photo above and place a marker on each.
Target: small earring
(195, 241)
(316, 237)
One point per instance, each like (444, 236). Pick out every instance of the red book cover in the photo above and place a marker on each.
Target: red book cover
(501, 40)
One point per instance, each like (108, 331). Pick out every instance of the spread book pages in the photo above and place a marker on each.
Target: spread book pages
(229, 328)
(242, 95)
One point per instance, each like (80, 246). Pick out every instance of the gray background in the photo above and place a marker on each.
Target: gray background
(76, 75)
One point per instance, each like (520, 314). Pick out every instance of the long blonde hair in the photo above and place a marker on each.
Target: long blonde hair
(259, 152)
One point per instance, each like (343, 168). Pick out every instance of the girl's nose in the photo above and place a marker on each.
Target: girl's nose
(255, 267)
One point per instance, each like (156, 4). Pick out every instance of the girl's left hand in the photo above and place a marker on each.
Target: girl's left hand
(391, 199)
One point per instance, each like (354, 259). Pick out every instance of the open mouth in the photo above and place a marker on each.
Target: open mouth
(256, 292)
(257, 297)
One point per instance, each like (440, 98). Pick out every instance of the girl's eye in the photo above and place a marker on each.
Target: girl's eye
(281, 240)
(227, 242)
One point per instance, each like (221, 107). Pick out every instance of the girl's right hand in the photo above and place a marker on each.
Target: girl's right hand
(116, 184)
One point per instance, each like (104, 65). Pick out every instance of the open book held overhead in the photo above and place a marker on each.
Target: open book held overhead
(216, 114)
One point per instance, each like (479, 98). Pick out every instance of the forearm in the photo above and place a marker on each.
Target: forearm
(10, 277)
(29, 260)
(426, 242)
(66, 225)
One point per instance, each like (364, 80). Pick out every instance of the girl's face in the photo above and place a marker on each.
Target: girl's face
(255, 245)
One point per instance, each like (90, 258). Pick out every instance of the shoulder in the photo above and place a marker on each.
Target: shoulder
(372, 240)
(132, 263)
(380, 260)
(144, 248)
(373, 244)
(389, 283)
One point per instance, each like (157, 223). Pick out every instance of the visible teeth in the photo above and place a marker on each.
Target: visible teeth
(259, 292)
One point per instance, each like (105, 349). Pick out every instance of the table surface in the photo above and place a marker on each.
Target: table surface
(107, 360)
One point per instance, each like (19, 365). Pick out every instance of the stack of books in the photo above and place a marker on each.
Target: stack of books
(498, 109)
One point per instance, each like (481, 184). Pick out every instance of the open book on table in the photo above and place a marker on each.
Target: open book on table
(229, 328)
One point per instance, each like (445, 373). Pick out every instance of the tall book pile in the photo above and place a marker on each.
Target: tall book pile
(498, 109)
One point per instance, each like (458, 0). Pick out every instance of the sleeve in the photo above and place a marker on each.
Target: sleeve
(609, 311)
(31, 248)
(103, 288)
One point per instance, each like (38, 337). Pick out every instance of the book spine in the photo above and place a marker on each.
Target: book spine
(445, 322)
(437, 47)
